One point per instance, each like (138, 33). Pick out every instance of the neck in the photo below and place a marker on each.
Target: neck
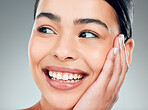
(45, 105)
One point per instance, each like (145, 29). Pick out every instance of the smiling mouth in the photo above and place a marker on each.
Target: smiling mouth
(64, 77)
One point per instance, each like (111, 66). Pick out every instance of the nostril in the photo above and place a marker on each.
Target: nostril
(69, 58)
(56, 56)
(63, 58)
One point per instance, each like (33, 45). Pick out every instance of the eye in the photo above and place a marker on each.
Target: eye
(45, 30)
(88, 34)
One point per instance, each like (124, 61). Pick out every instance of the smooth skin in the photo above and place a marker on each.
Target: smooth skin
(104, 92)
(63, 46)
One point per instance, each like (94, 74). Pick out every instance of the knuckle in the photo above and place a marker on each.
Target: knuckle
(126, 67)
(109, 98)
(120, 70)
(110, 90)
(110, 74)
(116, 98)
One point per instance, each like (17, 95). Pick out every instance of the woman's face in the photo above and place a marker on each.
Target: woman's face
(68, 47)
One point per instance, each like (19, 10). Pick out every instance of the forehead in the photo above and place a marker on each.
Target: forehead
(69, 10)
(82, 7)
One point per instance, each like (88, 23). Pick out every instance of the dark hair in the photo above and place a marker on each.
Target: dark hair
(124, 11)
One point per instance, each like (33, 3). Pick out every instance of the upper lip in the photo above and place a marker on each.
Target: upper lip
(65, 70)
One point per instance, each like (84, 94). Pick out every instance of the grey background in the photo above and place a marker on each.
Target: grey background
(17, 88)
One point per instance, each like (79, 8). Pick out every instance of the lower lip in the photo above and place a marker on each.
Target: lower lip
(64, 85)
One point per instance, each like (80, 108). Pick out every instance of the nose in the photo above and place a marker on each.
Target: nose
(64, 50)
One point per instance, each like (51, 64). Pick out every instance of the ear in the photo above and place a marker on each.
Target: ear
(129, 45)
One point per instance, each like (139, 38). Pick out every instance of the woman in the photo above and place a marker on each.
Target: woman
(79, 52)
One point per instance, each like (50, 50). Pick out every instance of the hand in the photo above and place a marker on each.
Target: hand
(104, 91)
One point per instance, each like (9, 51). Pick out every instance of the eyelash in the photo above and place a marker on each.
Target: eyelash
(90, 33)
(45, 31)
(83, 34)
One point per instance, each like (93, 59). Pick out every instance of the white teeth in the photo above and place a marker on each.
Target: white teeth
(76, 80)
(70, 76)
(54, 75)
(59, 76)
(65, 77)
(68, 81)
(79, 76)
(72, 81)
(75, 76)
(50, 73)
(60, 81)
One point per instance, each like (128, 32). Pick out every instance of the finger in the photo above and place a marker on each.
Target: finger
(125, 66)
(114, 100)
(116, 71)
(107, 70)
(123, 55)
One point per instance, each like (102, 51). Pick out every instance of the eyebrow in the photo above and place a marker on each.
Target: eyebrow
(76, 22)
(50, 16)
(89, 20)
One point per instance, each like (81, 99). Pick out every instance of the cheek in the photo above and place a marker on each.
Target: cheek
(38, 49)
(95, 58)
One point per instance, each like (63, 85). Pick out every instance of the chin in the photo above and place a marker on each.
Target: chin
(62, 102)
(64, 106)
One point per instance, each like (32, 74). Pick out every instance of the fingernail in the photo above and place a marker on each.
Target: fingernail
(121, 39)
(115, 51)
